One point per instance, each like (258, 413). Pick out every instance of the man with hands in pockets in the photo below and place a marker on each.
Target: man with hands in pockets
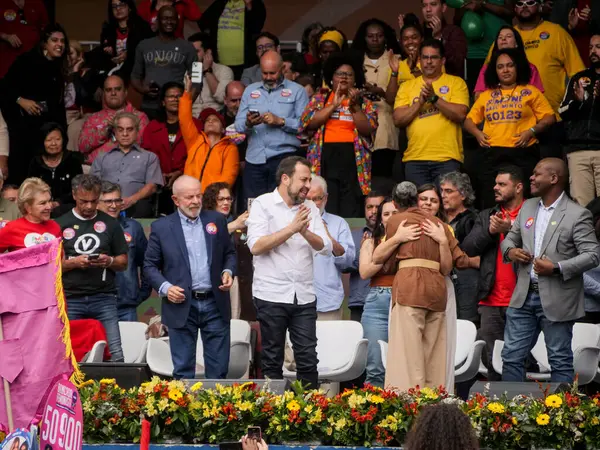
(285, 232)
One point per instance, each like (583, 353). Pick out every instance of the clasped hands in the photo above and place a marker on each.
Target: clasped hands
(542, 266)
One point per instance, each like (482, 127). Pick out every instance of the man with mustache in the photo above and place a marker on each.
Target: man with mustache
(269, 115)
(284, 233)
(190, 261)
(580, 111)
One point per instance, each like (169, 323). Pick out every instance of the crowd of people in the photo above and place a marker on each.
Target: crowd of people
(472, 161)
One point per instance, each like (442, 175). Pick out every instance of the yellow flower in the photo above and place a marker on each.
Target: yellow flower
(595, 421)
(293, 406)
(596, 401)
(429, 393)
(340, 424)
(278, 428)
(348, 392)
(195, 405)
(543, 419)
(87, 407)
(244, 406)
(514, 421)
(317, 417)
(175, 394)
(553, 401)
(329, 431)
(308, 409)
(496, 408)
(356, 400)
(163, 404)
(150, 409)
(86, 383)
(197, 386)
(108, 381)
(376, 399)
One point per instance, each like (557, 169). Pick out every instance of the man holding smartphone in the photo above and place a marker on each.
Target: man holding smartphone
(95, 249)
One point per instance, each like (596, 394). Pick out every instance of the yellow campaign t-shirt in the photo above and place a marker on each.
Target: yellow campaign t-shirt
(552, 50)
(230, 34)
(507, 112)
(404, 73)
(432, 136)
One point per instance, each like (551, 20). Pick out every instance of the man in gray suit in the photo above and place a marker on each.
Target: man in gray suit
(552, 242)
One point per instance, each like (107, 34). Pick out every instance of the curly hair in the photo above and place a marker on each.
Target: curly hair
(519, 59)
(462, 183)
(359, 43)
(336, 60)
(442, 427)
(209, 198)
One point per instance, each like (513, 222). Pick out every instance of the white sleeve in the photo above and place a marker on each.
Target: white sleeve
(258, 222)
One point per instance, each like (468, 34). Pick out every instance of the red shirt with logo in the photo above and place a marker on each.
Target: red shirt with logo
(506, 278)
(21, 233)
(26, 23)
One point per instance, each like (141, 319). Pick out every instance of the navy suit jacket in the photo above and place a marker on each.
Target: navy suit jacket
(167, 260)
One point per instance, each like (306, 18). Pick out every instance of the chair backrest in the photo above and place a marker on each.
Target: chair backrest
(336, 342)
(133, 339)
(96, 354)
(466, 333)
(239, 331)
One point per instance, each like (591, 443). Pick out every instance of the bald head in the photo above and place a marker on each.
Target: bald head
(556, 166)
(271, 66)
(115, 94)
(549, 179)
(185, 182)
(233, 97)
(187, 196)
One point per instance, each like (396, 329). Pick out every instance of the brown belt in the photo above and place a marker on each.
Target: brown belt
(419, 262)
(382, 281)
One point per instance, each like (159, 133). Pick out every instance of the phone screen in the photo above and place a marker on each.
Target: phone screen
(197, 72)
(93, 256)
(254, 433)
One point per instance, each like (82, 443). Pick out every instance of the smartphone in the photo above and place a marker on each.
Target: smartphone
(43, 105)
(254, 112)
(250, 200)
(254, 433)
(93, 256)
(197, 72)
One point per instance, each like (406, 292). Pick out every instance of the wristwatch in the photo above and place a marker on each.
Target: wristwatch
(556, 269)
(209, 70)
(433, 99)
(394, 74)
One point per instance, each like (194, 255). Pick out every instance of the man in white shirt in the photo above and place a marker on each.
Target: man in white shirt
(284, 233)
(328, 269)
(215, 77)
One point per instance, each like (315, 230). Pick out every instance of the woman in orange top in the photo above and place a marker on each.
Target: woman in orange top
(212, 156)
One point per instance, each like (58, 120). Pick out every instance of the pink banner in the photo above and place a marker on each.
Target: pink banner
(36, 350)
(62, 424)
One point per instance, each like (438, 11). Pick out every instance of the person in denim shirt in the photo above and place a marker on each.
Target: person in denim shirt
(131, 290)
(269, 115)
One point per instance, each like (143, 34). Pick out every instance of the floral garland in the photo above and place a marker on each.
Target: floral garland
(361, 417)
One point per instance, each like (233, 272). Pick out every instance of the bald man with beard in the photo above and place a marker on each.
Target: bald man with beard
(551, 244)
(269, 115)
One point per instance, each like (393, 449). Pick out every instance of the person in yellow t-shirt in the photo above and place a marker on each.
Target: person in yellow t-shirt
(513, 112)
(432, 108)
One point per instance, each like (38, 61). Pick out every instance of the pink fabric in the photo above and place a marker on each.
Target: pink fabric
(31, 319)
(12, 359)
(535, 79)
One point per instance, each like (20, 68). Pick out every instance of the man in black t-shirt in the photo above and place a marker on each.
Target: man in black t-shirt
(95, 248)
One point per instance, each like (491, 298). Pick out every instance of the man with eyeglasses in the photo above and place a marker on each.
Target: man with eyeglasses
(432, 108)
(94, 250)
(97, 134)
(21, 25)
(265, 42)
(132, 287)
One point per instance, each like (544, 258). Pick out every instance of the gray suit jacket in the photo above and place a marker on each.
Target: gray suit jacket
(569, 240)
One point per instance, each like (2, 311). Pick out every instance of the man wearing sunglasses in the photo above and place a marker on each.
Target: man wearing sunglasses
(131, 290)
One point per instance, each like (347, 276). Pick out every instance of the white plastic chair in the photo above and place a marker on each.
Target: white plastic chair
(158, 357)
(467, 356)
(96, 354)
(383, 348)
(341, 349)
(133, 341)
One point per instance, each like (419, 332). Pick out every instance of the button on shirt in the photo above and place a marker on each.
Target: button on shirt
(541, 224)
(131, 170)
(286, 101)
(328, 269)
(195, 242)
(286, 271)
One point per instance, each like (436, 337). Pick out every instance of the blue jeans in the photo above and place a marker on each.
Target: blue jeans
(520, 335)
(214, 330)
(423, 172)
(375, 324)
(102, 307)
(260, 178)
(127, 314)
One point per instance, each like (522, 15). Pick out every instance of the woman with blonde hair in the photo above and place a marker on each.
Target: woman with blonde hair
(35, 227)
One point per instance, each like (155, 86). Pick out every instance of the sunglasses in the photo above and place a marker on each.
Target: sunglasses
(522, 4)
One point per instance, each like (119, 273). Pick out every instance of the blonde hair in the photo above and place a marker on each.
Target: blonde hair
(76, 45)
(28, 190)
(126, 115)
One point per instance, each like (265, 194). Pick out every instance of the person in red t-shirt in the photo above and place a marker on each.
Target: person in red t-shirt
(21, 25)
(35, 227)
(497, 280)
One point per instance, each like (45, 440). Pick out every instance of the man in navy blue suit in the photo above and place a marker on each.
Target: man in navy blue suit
(190, 261)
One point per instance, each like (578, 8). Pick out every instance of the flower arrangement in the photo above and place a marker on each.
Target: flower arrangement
(359, 417)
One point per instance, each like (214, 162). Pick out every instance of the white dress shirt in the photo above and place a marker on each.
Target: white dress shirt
(207, 99)
(328, 269)
(541, 224)
(285, 271)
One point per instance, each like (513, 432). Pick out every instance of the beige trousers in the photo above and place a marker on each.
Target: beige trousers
(584, 175)
(330, 315)
(416, 349)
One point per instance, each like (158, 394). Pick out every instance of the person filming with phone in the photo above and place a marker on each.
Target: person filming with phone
(94, 250)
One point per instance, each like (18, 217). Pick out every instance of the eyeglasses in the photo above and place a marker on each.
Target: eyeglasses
(260, 48)
(522, 4)
(119, 5)
(115, 201)
(344, 74)
(224, 199)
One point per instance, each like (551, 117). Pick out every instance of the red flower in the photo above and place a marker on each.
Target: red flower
(169, 421)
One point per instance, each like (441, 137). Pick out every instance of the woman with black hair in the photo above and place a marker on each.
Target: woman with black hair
(508, 37)
(343, 122)
(56, 166)
(31, 94)
(513, 113)
(329, 40)
(310, 47)
(376, 41)
(121, 34)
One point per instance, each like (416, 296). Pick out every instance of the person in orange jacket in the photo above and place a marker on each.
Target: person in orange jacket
(212, 156)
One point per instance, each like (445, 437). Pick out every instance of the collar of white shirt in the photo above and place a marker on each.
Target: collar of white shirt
(553, 205)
